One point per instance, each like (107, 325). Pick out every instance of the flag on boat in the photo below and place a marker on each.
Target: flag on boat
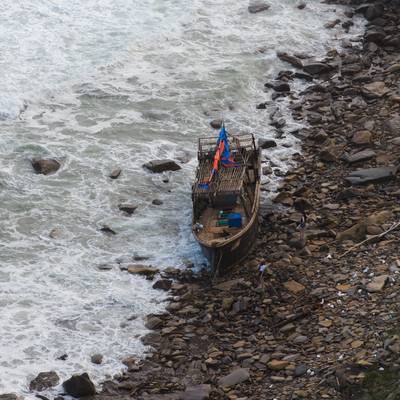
(222, 156)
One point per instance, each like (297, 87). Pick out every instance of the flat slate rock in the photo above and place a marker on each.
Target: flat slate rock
(364, 155)
(161, 166)
(371, 175)
(238, 376)
(198, 392)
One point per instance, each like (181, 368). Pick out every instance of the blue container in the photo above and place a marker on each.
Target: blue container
(235, 220)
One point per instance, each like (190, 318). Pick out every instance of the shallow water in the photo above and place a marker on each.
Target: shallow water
(114, 83)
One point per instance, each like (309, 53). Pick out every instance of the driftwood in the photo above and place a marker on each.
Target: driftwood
(374, 238)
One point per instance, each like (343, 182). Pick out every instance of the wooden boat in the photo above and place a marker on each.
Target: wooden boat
(231, 191)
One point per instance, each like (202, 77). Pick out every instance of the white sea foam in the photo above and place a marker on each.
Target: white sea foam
(106, 83)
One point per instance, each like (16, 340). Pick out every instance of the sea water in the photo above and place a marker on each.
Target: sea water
(104, 84)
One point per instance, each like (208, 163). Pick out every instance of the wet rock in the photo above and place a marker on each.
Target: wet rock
(10, 396)
(360, 156)
(362, 137)
(108, 230)
(301, 6)
(258, 7)
(128, 208)
(316, 68)
(377, 284)
(198, 392)
(267, 170)
(153, 322)
(45, 166)
(238, 376)
(45, 380)
(284, 198)
(157, 166)
(142, 270)
(157, 202)
(79, 386)
(266, 143)
(96, 358)
(115, 173)
(280, 87)
(371, 175)
(216, 123)
(303, 75)
(163, 284)
(332, 24)
(371, 11)
(292, 60)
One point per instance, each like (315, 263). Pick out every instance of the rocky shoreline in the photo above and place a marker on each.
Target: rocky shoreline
(323, 322)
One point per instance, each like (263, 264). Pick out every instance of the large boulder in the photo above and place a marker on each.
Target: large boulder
(79, 386)
(45, 380)
(45, 166)
(158, 166)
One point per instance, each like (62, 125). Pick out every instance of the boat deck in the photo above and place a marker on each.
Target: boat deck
(211, 231)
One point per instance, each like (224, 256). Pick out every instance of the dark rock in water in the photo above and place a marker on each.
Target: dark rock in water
(79, 386)
(107, 229)
(292, 60)
(216, 123)
(301, 6)
(128, 208)
(63, 357)
(41, 397)
(261, 106)
(303, 75)
(96, 359)
(266, 143)
(45, 166)
(267, 170)
(316, 68)
(151, 339)
(364, 155)
(9, 396)
(163, 284)
(258, 7)
(279, 87)
(115, 173)
(198, 392)
(374, 36)
(142, 270)
(45, 380)
(372, 175)
(157, 202)
(161, 166)
(238, 376)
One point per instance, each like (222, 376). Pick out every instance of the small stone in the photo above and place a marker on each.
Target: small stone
(316, 68)
(277, 365)
(153, 322)
(238, 376)
(294, 287)
(96, 358)
(360, 156)
(79, 386)
(293, 60)
(356, 344)
(115, 173)
(377, 284)
(362, 137)
(216, 123)
(301, 6)
(300, 370)
(45, 380)
(157, 202)
(326, 323)
(198, 392)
